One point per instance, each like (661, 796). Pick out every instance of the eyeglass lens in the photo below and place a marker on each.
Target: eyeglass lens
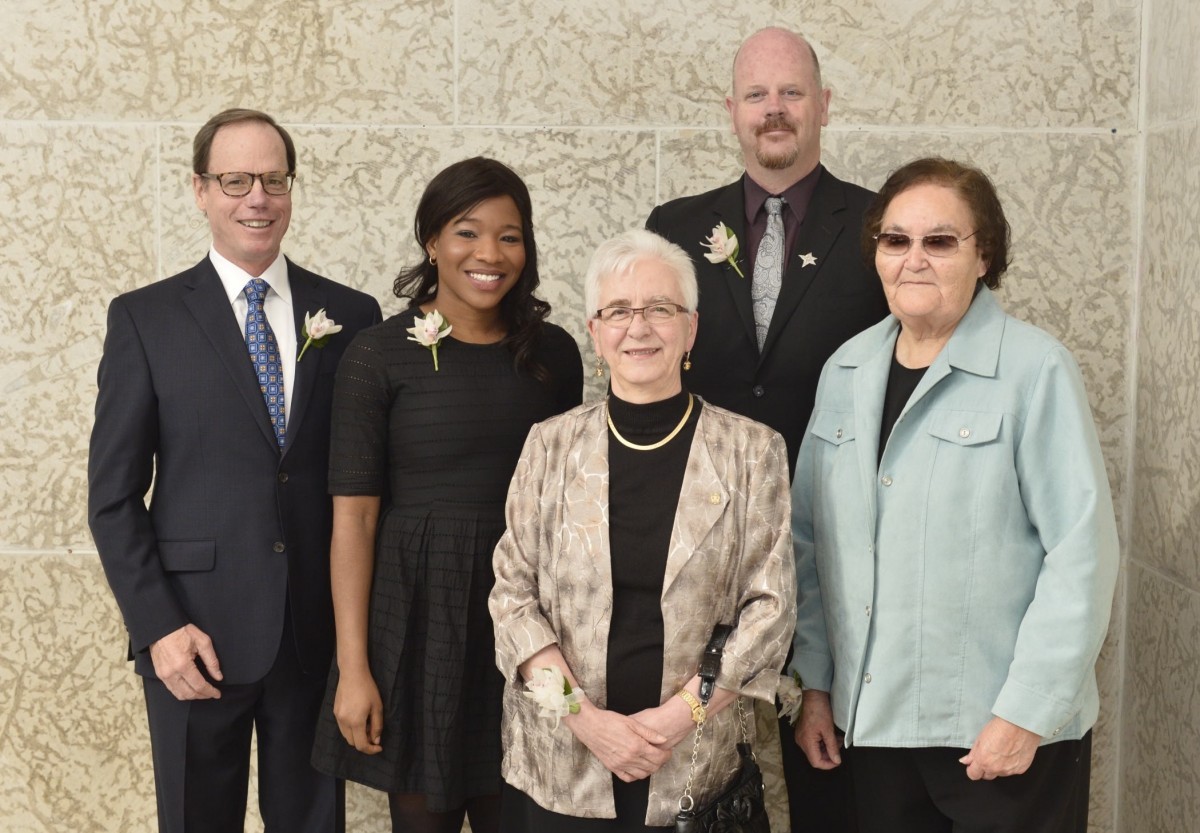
(239, 184)
(935, 245)
(623, 316)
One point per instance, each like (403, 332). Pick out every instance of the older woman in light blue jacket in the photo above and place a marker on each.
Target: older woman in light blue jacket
(956, 549)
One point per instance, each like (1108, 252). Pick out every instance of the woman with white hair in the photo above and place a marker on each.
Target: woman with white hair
(634, 526)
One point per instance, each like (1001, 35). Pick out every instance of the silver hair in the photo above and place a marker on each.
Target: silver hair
(618, 255)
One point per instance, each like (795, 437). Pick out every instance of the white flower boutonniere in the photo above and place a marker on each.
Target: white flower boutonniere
(555, 698)
(723, 246)
(790, 696)
(429, 331)
(317, 330)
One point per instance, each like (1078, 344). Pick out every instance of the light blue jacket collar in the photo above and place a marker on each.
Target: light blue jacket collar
(974, 346)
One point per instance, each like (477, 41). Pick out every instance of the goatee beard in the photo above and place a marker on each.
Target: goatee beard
(781, 159)
(777, 161)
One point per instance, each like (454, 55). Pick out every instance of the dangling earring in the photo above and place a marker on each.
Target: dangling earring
(433, 260)
(599, 367)
(687, 360)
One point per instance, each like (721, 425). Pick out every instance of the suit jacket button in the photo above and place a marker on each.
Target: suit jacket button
(279, 547)
(757, 390)
(283, 477)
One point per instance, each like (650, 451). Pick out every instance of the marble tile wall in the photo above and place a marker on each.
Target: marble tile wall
(606, 108)
(1159, 787)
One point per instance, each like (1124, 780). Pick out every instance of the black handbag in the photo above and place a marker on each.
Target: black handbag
(741, 807)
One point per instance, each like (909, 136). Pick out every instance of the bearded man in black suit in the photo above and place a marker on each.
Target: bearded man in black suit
(774, 310)
(223, 580)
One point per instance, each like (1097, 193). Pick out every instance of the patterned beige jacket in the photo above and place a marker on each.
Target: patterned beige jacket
(730, 561)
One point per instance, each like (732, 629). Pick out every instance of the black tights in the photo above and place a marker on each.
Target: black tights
(409, 815)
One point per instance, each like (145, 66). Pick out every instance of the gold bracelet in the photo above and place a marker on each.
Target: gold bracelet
(699, 713)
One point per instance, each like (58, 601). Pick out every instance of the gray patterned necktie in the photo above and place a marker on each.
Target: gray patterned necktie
(768, 270)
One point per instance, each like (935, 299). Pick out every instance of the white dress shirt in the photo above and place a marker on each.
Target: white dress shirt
(277, 306)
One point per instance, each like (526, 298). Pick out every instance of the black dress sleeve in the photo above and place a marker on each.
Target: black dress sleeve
(562, 359)
(359, 432)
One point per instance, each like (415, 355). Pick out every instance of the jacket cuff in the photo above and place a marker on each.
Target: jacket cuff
(747, 681)
(1032, 710)
(815, 670)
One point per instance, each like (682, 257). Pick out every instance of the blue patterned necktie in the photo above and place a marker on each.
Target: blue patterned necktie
(768, 270)
(264, 353)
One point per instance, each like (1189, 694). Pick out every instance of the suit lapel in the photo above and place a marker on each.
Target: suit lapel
(307, 297)
(730, 209)
(823, 224)
(209, 305)
(702, 501)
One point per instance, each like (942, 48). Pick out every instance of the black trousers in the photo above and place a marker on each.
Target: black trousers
(927, 791)
(820, 800)
(521, 814)
(202, 754)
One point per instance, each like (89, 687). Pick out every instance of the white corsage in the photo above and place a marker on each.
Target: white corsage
(790, 695)
(723, 246)
(555, 698)
(317, 330)
(429, 331)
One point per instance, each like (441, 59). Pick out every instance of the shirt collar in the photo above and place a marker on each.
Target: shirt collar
(797, 195)
(234, 278)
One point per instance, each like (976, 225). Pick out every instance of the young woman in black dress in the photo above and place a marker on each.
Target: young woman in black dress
(427, 428)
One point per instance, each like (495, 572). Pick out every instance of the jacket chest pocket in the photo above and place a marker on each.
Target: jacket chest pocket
(834, 427)
(968, 455)
(835, 457)
(966, 428)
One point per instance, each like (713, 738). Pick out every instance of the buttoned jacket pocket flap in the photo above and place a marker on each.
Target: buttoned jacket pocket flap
(833, 427)
(187, 556)
(966, 428)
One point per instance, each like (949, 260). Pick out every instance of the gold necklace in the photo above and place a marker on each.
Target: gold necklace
(652, 446)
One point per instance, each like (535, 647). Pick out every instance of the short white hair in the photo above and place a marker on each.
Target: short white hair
(618, 256)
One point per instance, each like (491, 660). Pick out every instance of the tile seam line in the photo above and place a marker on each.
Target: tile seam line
(631, 127)
(158, 199)
(1174, 581)
(457, 69)
(1129, 509)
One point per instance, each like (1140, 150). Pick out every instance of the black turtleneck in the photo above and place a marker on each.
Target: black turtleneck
(643, 495)
(902, 382)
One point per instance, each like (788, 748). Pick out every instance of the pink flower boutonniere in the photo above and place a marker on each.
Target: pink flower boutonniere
(317, 330)
(723, 246)
(429, 331)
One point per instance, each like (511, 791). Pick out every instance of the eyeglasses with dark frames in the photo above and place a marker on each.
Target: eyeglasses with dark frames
(622, 317)
(935, 245)
(241, 183)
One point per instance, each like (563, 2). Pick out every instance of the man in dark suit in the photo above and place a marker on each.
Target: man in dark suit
(223, 581)
(771, 315)
(825, 294)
